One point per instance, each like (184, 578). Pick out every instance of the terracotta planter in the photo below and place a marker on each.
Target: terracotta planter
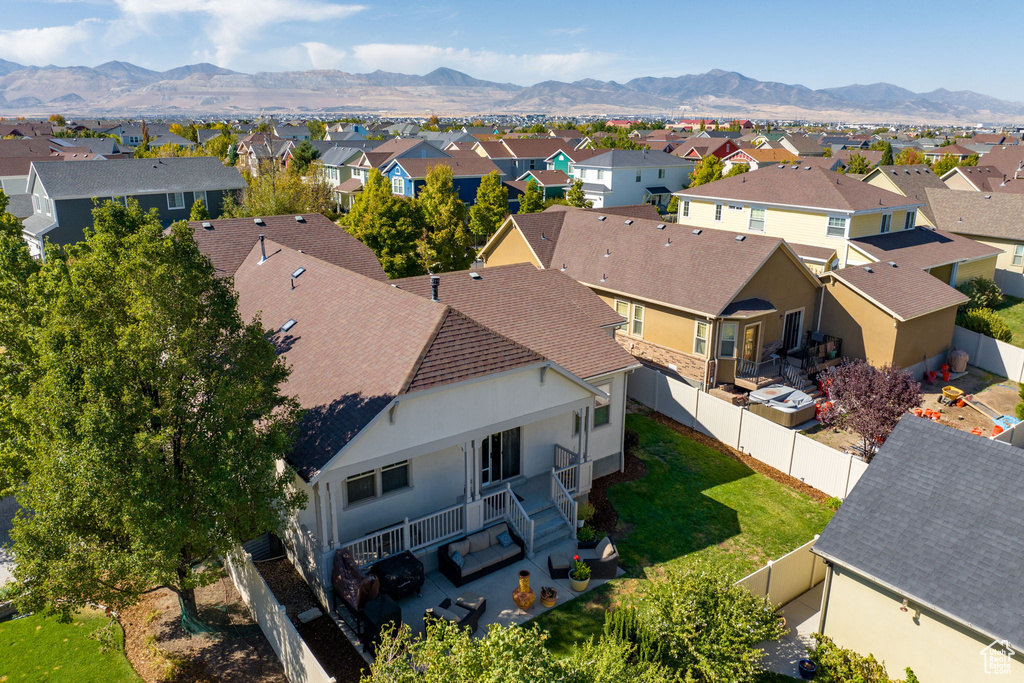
(548, 596)
(524, 595)
(579, 586)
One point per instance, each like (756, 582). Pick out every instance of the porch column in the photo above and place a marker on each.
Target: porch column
(579, 436)
(321, 492)
(585, 455)
(474, 508)
(333, 491)
(477, 474)
(469, 476)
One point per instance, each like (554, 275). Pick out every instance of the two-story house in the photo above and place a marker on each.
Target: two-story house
(619, 177)
(408, 174)
(520, 155)
(63, 194)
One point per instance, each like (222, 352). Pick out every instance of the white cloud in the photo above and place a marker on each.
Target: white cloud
(323, 56)
(235, 27)
(521, 68)
(50, 44)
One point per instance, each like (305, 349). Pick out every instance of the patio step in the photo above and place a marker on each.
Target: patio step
(548, 528)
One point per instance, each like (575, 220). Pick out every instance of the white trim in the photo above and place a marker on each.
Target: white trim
(175, 195)
(850, 212)
(735, 337)
(802, 311)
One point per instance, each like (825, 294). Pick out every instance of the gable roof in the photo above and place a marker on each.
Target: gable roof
(461, 166)
(939, 518)
(535, 148)
(343, 320)
(974, 213)
(544, 310)
(905, 292)
(229, 240)
(548, 177)
(106, 178)
(955, 150)
(1009, 159)
(912, 181)
(389, 150)
(988, 179)
(922, 247)
(629, 158)
(801, 187)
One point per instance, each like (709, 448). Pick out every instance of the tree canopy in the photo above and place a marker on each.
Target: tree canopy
(142, 417)
(737, 169)
(858, 164)
(389, 225)
(275, 191)
(445, 245)
(491, 207)
(303, 154)
(887, 158)
(532, 200)
(575, 196)
(707, 171)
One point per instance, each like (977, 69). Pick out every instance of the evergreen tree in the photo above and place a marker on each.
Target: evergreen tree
(389, 225)
(532, 200)
(887, 155)
(487, 215)
(857, 164)
(303, 154)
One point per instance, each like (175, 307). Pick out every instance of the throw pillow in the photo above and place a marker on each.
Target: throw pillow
(458, 559)
(504, 539)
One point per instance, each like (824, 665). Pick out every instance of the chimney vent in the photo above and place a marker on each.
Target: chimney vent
(435, 284)
(258, 221)
(300, 219)
(207, 225)
(263, 249)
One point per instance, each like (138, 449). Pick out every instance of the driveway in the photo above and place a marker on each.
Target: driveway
(8, 507)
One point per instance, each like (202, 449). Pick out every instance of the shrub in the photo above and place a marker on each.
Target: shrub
(984, 293)
(985, 321)
(586, 534)
(585, 511)
(839, 665)
(833, 503)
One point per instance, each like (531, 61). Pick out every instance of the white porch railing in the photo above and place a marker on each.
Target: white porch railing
(495, 504)
(436, 527)
(564, 502)
(408, 535)
(564, 457)
(378, 545)
(517, 517)
(569, 477)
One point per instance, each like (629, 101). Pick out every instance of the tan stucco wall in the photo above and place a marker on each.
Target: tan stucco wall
(866, 330)
(943, 273)
(867, 619)
(511, 248)
(782, 282)
(882, 181)
(662, 325)
(985, 267)
(1004, 261)
(924, 337)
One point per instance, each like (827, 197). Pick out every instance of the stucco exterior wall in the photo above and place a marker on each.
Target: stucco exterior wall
(867, 331)
(943, 273)
(662, 325)
(1008, 276)
(867, 619)
(781, 281)
(510, 248)
(865, 225)
(923, 337)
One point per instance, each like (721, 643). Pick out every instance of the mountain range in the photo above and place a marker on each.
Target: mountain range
(122, 88)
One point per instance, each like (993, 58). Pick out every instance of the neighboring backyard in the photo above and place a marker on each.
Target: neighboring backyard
(695, 502)
(36, 648)
(1012, 312)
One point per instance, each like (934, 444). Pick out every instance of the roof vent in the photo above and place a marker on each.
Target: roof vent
(607, 253)
(740, 238)
(207, 225)
(288, 325)
(435, 284)
(661, 226)
(543, 236)
(258, 221)
(892, 263)
(669, 243)
(603, 277)
(782, 166)
(601, 218)
(807, 168)
(300, 219)
(298, 271)
(475, 275)
(629, 222)
(697, 231)
(988, 196)
(868, 269)
(563, 267)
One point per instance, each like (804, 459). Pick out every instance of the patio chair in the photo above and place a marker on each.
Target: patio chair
(466, 611)
(603, 559)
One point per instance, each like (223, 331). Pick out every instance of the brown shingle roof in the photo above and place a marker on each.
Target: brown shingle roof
(350, 186)
(989, 178)
(923, 247)
(229, 240)
(811, 251)
(460, 166)
(357, 344)
(1009, 159)
(800, 186)
(544, 310)
(536, 149)
(493, 149)
(550, 177)
(974, 213)
(903, 291)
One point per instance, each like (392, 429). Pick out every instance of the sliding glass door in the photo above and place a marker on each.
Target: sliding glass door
(500, 457)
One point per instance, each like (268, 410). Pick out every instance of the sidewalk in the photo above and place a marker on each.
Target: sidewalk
(782, 655)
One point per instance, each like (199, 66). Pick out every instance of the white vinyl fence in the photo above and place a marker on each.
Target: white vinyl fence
(788, 577)
(824, 468)
(990, 354)
(299, 663)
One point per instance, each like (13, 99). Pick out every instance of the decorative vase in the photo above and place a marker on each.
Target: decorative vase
(524, 595)
(579, 586)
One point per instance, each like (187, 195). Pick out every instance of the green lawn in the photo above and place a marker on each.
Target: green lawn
(694, 503)
(40, 649)
(1012, 313)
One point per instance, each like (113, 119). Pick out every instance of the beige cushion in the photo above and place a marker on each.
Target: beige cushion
(505, 553)
(488, 556)
(604, 549)
(442, 613)
(469, 600)
(496, 531)
(471, 565)
(462, 546)
(479, 541)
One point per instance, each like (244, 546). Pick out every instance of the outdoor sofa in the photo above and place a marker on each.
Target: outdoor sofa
(482, 553)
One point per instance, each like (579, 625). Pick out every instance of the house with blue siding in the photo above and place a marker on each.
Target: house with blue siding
(408, 175)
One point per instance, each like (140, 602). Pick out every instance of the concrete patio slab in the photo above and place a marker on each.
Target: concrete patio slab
(781, 656)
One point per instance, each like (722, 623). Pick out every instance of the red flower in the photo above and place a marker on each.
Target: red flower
(576, 557)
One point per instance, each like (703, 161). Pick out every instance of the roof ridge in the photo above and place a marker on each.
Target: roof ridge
(411, 375)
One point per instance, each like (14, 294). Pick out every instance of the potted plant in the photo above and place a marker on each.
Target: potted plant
(586, 535)
(548, 595)
(584, 512)
(579, 575)
(7, 593)
(808, 669)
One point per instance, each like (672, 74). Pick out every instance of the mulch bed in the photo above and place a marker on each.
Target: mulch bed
(288, 587)
(333, 650)
(605, 517)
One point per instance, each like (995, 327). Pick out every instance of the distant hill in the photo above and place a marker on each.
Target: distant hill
(122, 88)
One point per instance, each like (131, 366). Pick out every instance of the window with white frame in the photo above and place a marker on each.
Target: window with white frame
(661, 173)
(911, 220)
(727, 347)
(175, 200)
(398, 185)
(201, 194)
(622, 308)
(686, 208)
(376, 483)
(638, 320)
(836, 226)
(756, 220)
(36, 206)
(718, 213)
(638, 176)
(1018, 255)
(602, 406)
(886, 225)
(700, 338)
(600, 174)
(735, 207)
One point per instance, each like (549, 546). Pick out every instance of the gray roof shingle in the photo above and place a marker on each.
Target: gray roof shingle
(122, 177)
(939, 516)
(975, 213)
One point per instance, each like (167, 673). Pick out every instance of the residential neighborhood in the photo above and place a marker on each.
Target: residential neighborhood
(326, 361)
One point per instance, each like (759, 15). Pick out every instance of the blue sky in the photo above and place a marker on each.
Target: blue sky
(817, 44)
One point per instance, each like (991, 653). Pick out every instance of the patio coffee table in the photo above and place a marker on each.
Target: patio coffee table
(558, 566)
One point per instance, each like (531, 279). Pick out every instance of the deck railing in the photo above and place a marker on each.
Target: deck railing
(378, 545)
(563, 501)
(748, 369)
(568, 476)
(564, 457)
(520, 521)
(495, 505)
(436, 527)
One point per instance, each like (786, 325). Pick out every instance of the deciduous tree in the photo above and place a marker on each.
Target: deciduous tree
(389, 225)
(491, 207)
(707, 171)
(532, 200)
(317, 129)
(737, 169)
(445, 245)
(575, 196)
(857, 164)
(199, 211)
(910, 156)
(150, 424)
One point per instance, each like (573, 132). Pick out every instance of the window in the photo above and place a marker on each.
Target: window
(661, 173)
(175, 200)
(727, 348)
(638, 320)
(201, 194)
(1018, 255)
(756, 220)
(394, 477)
(700, 339)
(35, 203)
(735, 207)
(836, 226)
(533, 164)
(602, 406)
(886, 222)
(911, 220)
(622, 308)
(361, 486)
(718, 213)
(638, 176)
(600, 174)
(398, 185)
(686, 208)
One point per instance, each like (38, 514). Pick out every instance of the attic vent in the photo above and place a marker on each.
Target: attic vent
(740, 238)
(892, 263)
(661, 226)
(782, 166)
(288, 325)
(300, 219)
(601, 218)
(603, 277)
(475, 275)
(807, 168)
(988, 196)
(258, 221)
(207, 225)
(697, 231)
(868, 269)
(298, 272)
(629, 222)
